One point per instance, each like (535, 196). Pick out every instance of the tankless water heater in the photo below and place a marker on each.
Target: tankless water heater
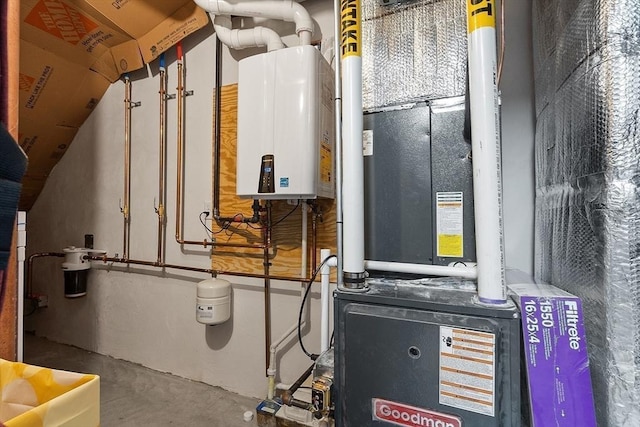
(285, 125)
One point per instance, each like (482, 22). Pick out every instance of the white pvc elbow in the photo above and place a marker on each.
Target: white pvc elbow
(285, 10)
(240, 39)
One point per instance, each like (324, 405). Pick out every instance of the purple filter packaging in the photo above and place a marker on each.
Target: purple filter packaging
(555, 349)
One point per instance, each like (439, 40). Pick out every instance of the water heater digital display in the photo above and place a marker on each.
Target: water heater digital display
(285, 125)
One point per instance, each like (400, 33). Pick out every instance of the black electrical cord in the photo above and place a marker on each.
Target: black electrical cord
(224, 226)
(280, 220)
(304, 299)
(287, 215)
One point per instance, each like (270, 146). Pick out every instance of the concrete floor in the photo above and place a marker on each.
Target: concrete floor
(134, 396)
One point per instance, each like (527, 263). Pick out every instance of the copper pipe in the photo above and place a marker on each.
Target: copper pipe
(106, 259)
(217, 132)
(239, 245)
(287, 396)
(182, 93)
(160, 210)
(206, 243)
(180, 152)
(217, 139)
(30, 260)
(266, 231)
(180, 155)
(261, 276)
(127, 168)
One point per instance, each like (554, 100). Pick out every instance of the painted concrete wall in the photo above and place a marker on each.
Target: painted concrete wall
(147, 316)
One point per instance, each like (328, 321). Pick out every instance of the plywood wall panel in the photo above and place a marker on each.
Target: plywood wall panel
(285, 254)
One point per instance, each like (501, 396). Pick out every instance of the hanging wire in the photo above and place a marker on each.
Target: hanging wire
(287, 215)
(304, 299)
(222, 228)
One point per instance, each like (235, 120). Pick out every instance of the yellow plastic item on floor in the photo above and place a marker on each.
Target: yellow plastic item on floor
(41, 397)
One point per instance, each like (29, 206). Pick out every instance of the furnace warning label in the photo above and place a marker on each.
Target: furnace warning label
(367, 143)
(449, 224)
(467, 370)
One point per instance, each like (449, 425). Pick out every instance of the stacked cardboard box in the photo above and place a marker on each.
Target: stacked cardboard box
(71, 50)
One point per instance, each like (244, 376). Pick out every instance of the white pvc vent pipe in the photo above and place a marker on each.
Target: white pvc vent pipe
(353, 163)
(240, 39)
(285, 10)
(485, 145)
(426, 269)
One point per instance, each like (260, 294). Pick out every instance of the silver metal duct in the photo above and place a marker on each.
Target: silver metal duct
(587, 82)
(413, 50)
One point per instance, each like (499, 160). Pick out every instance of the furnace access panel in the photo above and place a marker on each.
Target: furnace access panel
(418, 184)
(409, 354)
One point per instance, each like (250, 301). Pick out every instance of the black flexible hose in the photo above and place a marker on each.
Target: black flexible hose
(304, 299)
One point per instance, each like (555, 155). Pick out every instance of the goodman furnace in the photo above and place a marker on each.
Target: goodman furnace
(426, 353)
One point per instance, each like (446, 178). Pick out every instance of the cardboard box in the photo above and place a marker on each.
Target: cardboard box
(109, 37)
(73, 31)
(164, 24)
(557, 363)
(55, 91)
(45, 145)
(56, 97)
(70, 51)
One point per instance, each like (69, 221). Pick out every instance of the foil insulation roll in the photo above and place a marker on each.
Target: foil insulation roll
(413, 50)
(587, 83)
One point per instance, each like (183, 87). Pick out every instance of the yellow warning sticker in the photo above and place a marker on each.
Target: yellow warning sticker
(350, 28)
(480, 13)
(326, 161)
(450, 245)
(449, 224)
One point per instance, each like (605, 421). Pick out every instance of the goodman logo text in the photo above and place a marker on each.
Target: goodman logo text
(405, 415)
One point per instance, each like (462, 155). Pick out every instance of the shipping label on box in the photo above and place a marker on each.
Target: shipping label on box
(557, 363)
(167, 33)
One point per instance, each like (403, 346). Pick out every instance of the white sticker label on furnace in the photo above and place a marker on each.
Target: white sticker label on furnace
(449, 224)
(367, 143)
(467, 370)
